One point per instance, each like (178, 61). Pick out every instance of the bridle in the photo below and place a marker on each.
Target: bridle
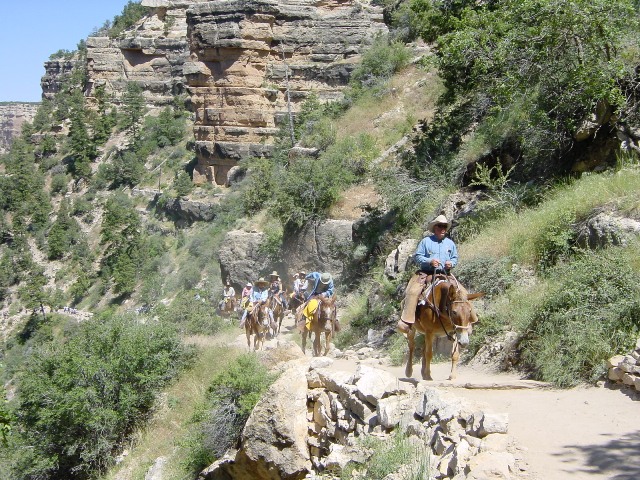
(448, 309)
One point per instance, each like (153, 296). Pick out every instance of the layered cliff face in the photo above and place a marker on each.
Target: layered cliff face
(245, 55)
(151, 54)
(246, 64)
(12, 117)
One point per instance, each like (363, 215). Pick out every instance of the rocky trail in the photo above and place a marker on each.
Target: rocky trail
(590, 433)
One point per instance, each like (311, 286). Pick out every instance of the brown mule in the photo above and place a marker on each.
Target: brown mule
(257, 324)
(323, 321)
(278, 314)
(447, 311)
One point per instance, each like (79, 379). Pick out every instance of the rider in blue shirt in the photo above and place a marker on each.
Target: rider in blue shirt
(435, 254)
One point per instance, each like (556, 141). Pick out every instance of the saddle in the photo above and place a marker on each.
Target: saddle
(418, 289)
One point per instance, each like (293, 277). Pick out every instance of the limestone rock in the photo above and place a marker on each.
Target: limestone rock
(244, 54)
(315, 247)
(274, 439)
(239, 256)
(371, 383)
(394, 411)
(603, 229)
(399, 259)
(12, 117)
(491, 465)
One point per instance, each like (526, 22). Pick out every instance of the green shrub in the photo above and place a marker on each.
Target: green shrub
(591, 312)
(59, 184)
(388, 456)
(79, 399)
(190, 313)
(232, 395)
(486, 274)
(379, 62)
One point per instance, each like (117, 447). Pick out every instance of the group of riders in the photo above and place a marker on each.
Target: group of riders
(435, 254)
(306, 287)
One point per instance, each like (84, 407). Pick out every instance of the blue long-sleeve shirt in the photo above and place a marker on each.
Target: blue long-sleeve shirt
(429, 248)
(318, 286)
(258, 295)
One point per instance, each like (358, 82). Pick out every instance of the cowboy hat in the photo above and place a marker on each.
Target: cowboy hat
(274, 274)
(302, 273)
(249, 284)
(262, 282)
(439, 220)
(325, 278)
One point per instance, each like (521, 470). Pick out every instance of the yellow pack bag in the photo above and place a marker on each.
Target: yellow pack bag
(309, 310)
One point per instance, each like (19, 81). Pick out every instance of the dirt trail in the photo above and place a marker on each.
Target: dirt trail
(587, 433)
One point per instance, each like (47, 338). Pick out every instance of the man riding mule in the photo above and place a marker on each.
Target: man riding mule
(300, 285)
(259, 296)
(276, 291)
(322, 320)
(435, 303)
(228, 302)
(321, 287)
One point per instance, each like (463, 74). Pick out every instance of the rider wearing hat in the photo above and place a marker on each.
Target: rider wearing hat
(435, 254)
(259, 294)
(322, 284)
(276, 290)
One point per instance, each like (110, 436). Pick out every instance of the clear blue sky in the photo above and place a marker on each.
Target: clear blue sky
(31, 30)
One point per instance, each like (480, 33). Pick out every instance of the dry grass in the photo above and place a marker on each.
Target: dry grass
(516, 234)
(412, 96)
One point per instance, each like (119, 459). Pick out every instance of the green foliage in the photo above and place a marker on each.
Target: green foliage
(486, 274)
(496, 55)
(121, 237)
(379, 62)
(182, 184)
(131, 13)
(235, 391)
(388, 456)
(82, 146)
(555, 242)
(79, 399)
(591, 312)
(133, 110)
(191, 314)
(126, 169)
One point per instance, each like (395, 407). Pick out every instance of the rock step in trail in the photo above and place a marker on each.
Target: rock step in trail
(579, 433)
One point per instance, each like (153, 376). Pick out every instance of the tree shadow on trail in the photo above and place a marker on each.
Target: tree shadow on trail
(617, 458)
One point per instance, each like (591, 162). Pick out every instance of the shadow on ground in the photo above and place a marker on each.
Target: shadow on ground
(617, 458)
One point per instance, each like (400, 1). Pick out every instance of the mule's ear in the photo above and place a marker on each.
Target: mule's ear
(473, 296)
(453, 291)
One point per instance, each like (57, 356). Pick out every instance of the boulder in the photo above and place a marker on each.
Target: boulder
(400, 258)
(394, 411)
(317, 247)
(371, 383)
(274, 439)
(239, 256)
(603, 228)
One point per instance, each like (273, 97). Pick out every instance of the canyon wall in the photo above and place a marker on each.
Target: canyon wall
(246, 66)
(12, 117)
(247, 57)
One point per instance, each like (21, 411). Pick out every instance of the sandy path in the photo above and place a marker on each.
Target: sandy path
(576, 434)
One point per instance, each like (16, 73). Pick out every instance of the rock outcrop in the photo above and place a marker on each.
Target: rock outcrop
(252, 61)
(152, 54)
(332, 411)
(12, 117)
(625, 369)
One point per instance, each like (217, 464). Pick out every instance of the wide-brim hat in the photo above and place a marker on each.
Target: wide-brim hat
(325, 278)
(439, 220)
(274, 274)
(249, 284)
(262, 282)
(302, 273)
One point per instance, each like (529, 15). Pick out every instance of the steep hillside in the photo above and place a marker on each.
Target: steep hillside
(190, 143)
